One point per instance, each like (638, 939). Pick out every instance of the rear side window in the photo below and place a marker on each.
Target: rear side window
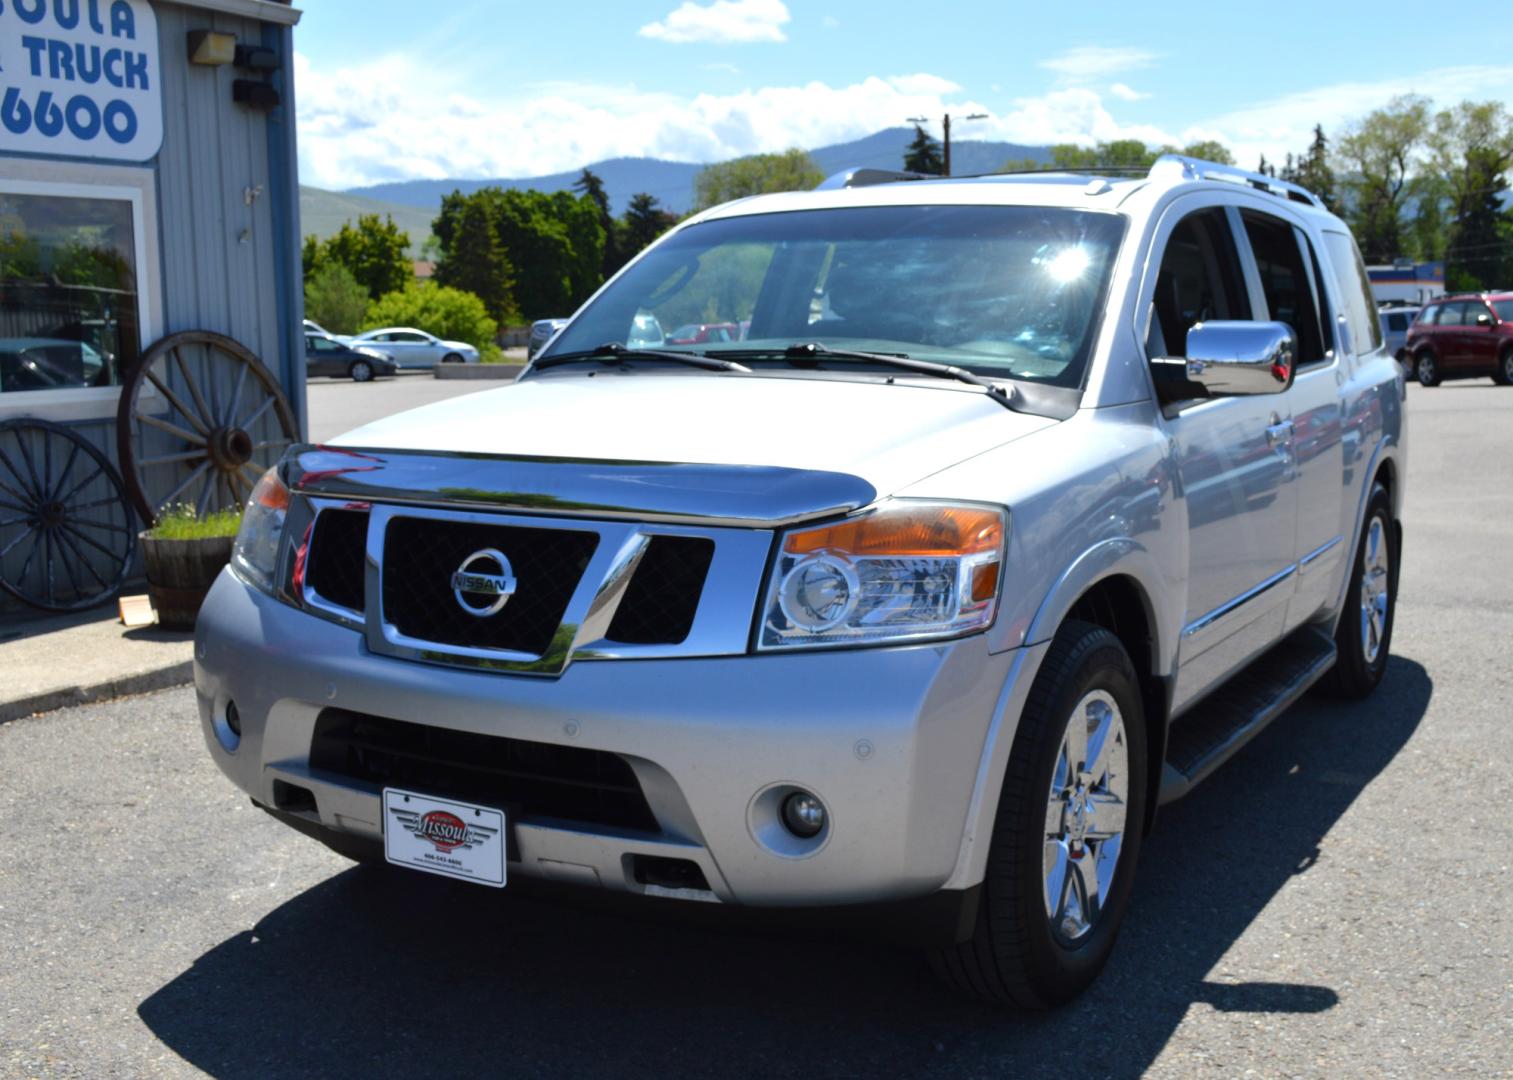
(1355, 292)
(1429, 316)
(1285, 282)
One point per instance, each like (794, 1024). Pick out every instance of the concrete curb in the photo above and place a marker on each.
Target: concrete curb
(141, 682)
(476, 371)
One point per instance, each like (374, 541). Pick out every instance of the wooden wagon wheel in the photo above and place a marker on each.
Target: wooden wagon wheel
(199, 422)
(66, 534)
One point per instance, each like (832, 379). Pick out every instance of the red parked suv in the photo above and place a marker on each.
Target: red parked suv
(1463, 337)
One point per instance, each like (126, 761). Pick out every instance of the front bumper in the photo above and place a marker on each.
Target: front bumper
(892, 740)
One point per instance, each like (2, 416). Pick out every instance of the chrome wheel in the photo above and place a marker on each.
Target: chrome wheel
(1376, 587)
(1085, 815)
(1426, 369)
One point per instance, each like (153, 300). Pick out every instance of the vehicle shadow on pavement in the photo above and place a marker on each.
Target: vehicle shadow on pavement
(381, 973)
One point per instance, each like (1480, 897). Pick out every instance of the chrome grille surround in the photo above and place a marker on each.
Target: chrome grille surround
(721, 624)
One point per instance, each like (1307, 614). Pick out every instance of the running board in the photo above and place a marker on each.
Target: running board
(1238, 711)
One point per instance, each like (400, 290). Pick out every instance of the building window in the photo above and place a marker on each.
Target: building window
(71, 312)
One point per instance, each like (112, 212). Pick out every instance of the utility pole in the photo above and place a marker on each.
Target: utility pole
(945, 125)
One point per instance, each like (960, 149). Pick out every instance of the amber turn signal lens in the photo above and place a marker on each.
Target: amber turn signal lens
(984, 582)
(926, 531)
(271, 492)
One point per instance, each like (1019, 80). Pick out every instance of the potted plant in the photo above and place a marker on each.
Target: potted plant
(184, 552)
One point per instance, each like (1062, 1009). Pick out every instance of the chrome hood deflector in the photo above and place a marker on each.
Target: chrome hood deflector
(749, 450)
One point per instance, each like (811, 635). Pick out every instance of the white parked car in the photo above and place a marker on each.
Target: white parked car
(313, 327)
(411, 348)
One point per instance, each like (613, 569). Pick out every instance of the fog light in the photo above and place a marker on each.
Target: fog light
(803, 814)
(233, 719)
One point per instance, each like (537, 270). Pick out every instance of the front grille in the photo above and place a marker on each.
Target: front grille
(663, 595)
(338, 554)
(421, 554)
(526, 779)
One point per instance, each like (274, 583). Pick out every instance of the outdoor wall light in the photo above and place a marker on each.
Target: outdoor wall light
(255, 94)
(256, 58)
(212, 48)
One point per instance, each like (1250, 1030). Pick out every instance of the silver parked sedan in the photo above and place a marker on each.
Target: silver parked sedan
(413, 348)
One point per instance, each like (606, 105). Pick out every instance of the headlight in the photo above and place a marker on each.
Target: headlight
(904, 572)
(255, 554)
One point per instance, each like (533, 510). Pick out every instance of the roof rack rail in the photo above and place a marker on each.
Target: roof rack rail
(864, 177)
(1188, 168)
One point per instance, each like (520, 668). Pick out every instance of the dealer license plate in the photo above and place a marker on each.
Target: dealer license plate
(440, 836)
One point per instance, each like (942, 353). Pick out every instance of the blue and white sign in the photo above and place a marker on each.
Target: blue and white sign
(80, 78)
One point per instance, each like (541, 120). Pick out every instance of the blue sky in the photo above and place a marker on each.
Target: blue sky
(465, 88)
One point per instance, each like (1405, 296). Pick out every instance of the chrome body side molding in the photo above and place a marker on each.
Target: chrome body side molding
(1203, 622)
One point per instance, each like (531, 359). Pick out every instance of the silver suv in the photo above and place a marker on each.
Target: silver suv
(1019, 506)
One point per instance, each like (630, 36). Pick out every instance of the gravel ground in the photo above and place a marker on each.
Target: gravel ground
(1334, 902)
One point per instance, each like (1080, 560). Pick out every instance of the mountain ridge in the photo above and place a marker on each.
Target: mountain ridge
(672, 182)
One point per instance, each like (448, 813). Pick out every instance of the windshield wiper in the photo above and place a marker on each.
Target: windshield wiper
(812, 352)
(612, 352)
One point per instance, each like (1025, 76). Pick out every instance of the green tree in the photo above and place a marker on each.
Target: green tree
(1311, 170)
(645, 220)
(438, 309)
(309, 254)
(376, 251)
(923, 154)
(477, 262)
(1470, 153)
(591, 186)
(555, 240)
(1381, 155)
(335, 299)
(758, 174)
(1208, 150)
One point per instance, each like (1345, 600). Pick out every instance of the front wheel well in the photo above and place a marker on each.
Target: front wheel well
(1118, 605)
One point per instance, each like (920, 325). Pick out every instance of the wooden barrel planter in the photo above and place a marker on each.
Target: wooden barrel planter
(180, 573)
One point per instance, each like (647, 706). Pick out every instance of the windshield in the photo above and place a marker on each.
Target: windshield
(1504, 309)
(1005, 291)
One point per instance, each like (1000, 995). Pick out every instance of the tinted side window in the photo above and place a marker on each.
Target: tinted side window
(1355, 292)
(1397, 322)
(1451, 315)
(1429, 315)
(1199, 279)
(1285, 282)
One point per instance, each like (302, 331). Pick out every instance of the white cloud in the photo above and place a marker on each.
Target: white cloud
(1278, 125)
(723, 22)
(393, 118)
(390, 119)
(1089, 62)
(1125, 93)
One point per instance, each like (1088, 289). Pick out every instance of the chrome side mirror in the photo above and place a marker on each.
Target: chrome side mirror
(1235, 358)
(1484, 319)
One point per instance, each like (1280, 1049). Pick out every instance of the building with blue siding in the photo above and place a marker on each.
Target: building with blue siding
(148, 187)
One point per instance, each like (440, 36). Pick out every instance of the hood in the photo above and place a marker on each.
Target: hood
(887, 434)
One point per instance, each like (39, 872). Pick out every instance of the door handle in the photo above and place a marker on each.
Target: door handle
(1279, 431)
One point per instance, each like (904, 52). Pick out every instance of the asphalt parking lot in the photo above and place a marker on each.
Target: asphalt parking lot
(1334, 902)
(339, 405)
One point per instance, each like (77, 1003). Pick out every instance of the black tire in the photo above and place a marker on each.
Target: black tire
(361, 371)
(1014, 955)
(451, 358)
(1426, 369)
(1503, 376)
(1356, 673)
